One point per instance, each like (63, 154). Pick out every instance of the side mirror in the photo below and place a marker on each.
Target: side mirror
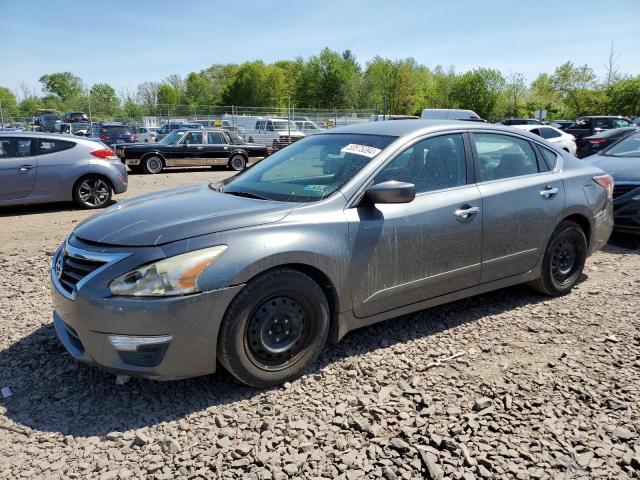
(391, 191)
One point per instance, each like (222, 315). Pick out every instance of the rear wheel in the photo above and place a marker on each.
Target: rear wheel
(274, 328)
(563, 260)
(92, 191)
(237, 163)
(152, 164)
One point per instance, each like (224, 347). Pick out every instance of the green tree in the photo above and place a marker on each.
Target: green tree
(63, 86)
(168, 98)
(8, 102)
(104, 100)
(624, 97)
(197, 91)
(478, 90)
(577, 88)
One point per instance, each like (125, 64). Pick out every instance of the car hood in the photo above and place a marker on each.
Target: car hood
(622, 169)
(171, 215)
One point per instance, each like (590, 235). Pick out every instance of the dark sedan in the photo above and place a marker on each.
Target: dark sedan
(593, 144)
(622, 161)
(335, 232)
(191, 148)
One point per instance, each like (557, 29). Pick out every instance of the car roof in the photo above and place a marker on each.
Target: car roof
(531, 127)
(400, 128)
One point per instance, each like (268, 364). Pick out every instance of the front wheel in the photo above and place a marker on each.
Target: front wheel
(152, 164)
(274, 329)
(92, 191)
(563, 260)
(237, 163)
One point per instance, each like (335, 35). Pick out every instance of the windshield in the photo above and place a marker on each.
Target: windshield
(310, 169)
(627, 147)
(172, 138)
(283, 125)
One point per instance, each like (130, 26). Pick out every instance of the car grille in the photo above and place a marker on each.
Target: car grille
(71, 270)
(620, 190)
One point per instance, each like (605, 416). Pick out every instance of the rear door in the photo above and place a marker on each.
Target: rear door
(18, 167)
(523, 202)
(217, 148)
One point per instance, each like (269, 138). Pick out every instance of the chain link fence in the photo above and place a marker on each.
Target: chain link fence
(271, 126)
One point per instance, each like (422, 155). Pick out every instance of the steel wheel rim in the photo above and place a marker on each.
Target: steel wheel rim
(154, 164)
(564, 260)
(277, 332)
(237, 163)
(94, 192)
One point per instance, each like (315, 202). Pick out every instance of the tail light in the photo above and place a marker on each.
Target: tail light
(105, 154)
(606, 182)
(104, 136)
(133, 138)
(596, 141)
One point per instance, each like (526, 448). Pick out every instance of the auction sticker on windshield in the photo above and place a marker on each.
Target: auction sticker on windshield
(364, 150)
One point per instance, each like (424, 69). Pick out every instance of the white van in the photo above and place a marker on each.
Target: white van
(449, 114)
(273, 132)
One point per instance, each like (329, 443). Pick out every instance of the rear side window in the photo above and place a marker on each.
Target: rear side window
(15, 147)
(546, 132)
(602, 123)
(46, 146)
(432, 164)
(550, 158)
(215, 138)
(620, 123)
(503, 156)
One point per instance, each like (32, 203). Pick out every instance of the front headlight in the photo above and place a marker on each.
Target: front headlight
(172, 276)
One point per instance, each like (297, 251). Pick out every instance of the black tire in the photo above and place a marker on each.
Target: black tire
(237, 162)
(152, 164)
(250, 140)
(563, 260)
(250, 347)
(92, 191)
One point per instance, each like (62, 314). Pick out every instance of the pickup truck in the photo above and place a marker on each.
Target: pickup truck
(191, 148)
(587, 126)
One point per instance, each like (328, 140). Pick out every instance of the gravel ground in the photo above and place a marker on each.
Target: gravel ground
(505, 385)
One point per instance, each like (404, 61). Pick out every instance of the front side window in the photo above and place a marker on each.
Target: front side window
(602, 123)
(503, 156)
(172, 138)
(46, 146)
(310, 169)
(435, 163)
(11, 147)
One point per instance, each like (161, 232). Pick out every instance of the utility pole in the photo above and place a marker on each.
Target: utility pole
(384, 107)
(89, 98)
(289, 118)
(1, 118)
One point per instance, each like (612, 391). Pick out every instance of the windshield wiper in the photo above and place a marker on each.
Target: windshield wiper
(247, 195)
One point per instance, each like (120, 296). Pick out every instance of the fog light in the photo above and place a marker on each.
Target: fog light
(141, 351)
(130, 344)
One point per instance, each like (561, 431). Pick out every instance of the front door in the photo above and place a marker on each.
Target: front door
(406, 253)
(523, 202)
(18, 167)
(194, 152)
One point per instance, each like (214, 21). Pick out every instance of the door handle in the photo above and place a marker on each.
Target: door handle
(548, 191)
(25, 168)
(466, 211)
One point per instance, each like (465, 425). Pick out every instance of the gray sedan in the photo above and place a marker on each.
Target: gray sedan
(40, 167)
(335, 232)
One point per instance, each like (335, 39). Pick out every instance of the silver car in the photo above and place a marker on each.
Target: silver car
(332, 233)
(41, 167)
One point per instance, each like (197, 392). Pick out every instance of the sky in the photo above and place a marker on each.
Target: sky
(125, 43)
